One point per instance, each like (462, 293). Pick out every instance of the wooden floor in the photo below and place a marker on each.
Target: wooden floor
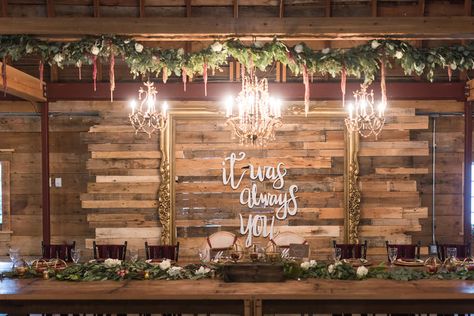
(214, 296)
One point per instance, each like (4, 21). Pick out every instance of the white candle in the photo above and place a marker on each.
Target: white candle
(164, 108)
(133, 104)
(350, 107)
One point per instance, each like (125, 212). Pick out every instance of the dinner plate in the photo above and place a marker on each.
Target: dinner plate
(409, 262)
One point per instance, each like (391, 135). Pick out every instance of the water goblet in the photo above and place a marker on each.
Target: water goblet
(451, 252)
(392, 255)
(76, 255)
(337, 254)
(133, 255)
(14, 254)
(203, 254)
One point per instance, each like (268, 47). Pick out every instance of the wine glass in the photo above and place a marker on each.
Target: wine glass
(337, 254)
(14, 254)
(203, 254)
(452, 252)
(392, 255)
(133, 255)
(76, 255)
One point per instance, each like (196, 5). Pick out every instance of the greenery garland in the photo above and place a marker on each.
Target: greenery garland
(360, 61)
(126, 270)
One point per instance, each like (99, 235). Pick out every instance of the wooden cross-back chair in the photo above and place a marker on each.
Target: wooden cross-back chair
(162, 251)
(283, 240)
(349, 251)
(221, 241)
(103, 252)
(57, 251)
(406, 251)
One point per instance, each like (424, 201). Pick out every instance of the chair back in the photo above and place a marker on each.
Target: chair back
(220, 241)
(462, 251)
(406, 251)
(110, 251)
(283, 240)
(162, 251)
(349, 251)
(62, 252)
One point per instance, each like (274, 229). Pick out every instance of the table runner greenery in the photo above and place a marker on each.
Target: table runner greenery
(118, 270)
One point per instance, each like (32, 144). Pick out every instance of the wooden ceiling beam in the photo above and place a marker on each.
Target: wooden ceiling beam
(22, 85)
(300, 28)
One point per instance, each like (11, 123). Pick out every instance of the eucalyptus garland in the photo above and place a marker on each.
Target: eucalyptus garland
(117, 270)
(362, 61)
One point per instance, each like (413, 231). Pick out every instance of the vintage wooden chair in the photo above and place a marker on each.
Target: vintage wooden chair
(463, 251)
(57, 251)
(220, 241)
(283, 240)
(349, 251)
(405, 251)
(162, 251)
(102, 252)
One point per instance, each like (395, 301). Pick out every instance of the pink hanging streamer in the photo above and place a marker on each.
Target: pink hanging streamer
(94, 71)
(112, 75)
(306, 89)
(343, 85)
(383, 87)
(184, 77)
(41, 72)
(204, 75)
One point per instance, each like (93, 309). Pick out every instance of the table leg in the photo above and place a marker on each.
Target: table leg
(257, 307)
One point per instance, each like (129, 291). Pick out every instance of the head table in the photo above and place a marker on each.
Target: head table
(23, 296)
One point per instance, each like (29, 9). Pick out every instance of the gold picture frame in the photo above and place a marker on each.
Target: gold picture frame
(210, 110)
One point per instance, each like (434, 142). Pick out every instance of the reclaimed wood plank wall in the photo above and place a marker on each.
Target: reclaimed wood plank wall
(110, 177)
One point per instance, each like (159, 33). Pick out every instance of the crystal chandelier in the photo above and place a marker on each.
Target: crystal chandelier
(363, 117)
(257, 114)
(144, 117)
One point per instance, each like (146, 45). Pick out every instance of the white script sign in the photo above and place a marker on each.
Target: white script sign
(285, 203)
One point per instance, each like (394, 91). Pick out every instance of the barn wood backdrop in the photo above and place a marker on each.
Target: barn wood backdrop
(111, 176)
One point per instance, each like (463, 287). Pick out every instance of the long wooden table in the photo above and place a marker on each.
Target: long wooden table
(249, 299)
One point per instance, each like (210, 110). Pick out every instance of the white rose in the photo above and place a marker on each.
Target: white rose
(258, 44)
(216, 47)
(338, 263)
(165, 264)
(362, 272)
(126, 41)
(29, 49)
(453, 66)
(174, 271)
(202, 270)
(95, 50)
(313, 263)
(326, 50)
(138, 47)
(305, 265)
(110, 263)
(180, 52)
(79, 63)
(299, 48)
(331, 268)
(375, 44)
(58, 58)
(398, 54)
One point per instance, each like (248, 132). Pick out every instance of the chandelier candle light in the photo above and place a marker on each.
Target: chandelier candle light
(144, 117)
(257, 116)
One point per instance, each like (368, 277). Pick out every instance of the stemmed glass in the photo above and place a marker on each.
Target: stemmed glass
(392, 255)
(14, 254)
(133, 255)
(203, 254)
(76, 255)
(337, 254)
(452, 252)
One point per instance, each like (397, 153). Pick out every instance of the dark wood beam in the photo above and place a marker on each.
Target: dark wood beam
(45, 172)
(50, 8)
(301, 28)
(96, 4)
(467, 170)
(285, 91)
(141, 4)
(374, 8)
(281, 10)
(4, 8)
(22, 85)
(235, 3)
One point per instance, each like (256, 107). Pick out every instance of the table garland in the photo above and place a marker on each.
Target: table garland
(117, 270)
(361, 61)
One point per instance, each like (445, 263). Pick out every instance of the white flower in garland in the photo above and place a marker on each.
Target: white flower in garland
(28, 49)
(299, 48)
(258, 44)
(326, 50)
(110, 263)
(95, 50)
(362, 272)
(399, 54)
(180, 52)
(126, 41)
(174, 271)
(305, 265)
(202, 271)
(331, 268)
(216, 47)
(165, 264)
(58, 58)
(453, 66)
(374, 44)
(138, 47)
